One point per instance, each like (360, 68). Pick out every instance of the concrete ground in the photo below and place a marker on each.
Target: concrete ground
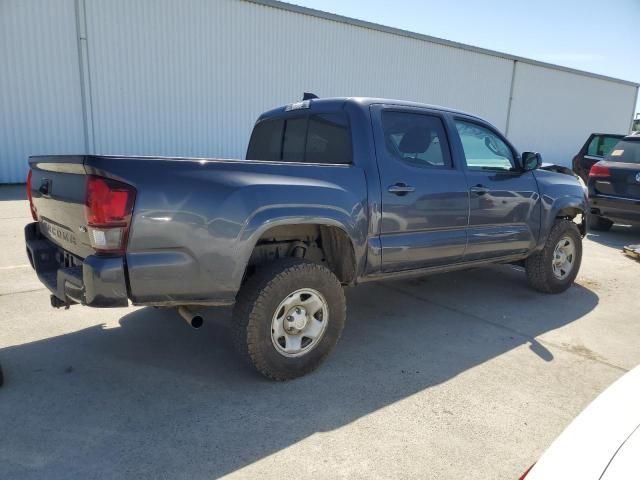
(463, 375)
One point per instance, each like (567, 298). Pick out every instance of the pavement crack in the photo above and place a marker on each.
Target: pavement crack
(22, 291)
(14, 267)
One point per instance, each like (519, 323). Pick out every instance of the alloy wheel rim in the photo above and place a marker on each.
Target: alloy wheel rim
(564, 256)
(299, 322)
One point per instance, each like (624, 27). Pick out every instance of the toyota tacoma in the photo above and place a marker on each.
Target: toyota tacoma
(333, 192)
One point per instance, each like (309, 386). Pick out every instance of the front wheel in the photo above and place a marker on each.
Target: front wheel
(288, 317)
(555, 267)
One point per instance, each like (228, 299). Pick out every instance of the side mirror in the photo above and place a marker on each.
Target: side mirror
(531, 161)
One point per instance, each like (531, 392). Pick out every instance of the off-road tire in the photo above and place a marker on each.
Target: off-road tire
(596, 222)
(539, 265)
(256, 304)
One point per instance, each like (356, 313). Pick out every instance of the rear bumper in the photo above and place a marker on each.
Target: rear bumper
(95, 281)
(616, 208)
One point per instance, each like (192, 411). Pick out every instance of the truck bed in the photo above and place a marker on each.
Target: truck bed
(195, 220)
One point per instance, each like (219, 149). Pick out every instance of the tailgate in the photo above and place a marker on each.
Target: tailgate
(58, 188)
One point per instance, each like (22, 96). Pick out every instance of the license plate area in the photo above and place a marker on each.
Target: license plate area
(67, 260)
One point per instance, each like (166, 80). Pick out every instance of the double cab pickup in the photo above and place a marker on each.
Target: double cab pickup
(333, 192)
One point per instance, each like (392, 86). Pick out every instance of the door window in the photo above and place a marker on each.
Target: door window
(416, 139)
(593, 146)
(483, 149)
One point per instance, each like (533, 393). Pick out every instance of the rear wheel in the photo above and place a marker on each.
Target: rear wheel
(596, 222)
(288, 317)
(555, 267)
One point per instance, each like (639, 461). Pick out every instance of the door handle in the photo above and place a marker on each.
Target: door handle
(479, 189)
(401, 189)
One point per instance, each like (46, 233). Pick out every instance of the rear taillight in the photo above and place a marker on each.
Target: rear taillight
(108, 210)
(32, 207)
(599, 170)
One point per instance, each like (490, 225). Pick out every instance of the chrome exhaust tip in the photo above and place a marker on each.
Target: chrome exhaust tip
(190, 316)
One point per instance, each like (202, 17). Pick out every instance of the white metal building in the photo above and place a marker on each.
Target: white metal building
(188, 78)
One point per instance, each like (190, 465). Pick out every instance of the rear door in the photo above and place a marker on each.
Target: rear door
(425, 202)
(504, 216)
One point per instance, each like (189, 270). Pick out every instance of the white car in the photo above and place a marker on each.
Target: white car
(602, 443)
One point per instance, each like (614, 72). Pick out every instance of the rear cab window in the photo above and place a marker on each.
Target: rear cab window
(295, 132)
(308, 138)
(266, 141)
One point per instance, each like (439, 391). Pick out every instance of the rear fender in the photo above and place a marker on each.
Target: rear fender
(355, 227)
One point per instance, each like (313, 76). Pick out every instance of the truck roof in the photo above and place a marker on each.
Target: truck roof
(362, 102)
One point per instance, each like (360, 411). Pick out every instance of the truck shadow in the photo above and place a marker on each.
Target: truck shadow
(156, 399)
(13, 192)
(617, 237)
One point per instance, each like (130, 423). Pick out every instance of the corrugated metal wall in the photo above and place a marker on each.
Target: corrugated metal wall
(164, 77)
(553, 112)
(40, 104)
(171, 80)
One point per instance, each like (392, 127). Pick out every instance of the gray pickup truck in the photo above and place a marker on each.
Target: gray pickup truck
(333, 192)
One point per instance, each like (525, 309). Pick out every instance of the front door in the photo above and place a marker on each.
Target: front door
(504, 215)
(425, 200)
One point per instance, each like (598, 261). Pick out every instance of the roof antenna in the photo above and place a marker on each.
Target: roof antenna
(308, 96)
